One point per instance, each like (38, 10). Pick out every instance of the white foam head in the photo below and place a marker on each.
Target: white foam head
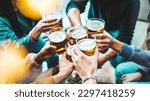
(78, 34)
(57, 37)
(95, 25)
(52, 16)
(86, 44)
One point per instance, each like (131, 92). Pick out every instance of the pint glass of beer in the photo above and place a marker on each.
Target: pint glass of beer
(75, 33)
(58, 39)
(55, 18)
(87, 45)
(68, 48)
(95, 26)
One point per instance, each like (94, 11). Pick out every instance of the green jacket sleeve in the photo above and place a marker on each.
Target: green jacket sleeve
(80, 4)
(7, 33)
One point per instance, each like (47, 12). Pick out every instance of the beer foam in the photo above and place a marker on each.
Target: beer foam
(53, 16)
(78, 34)
(87, 44)
(95, 25)
(57, 37)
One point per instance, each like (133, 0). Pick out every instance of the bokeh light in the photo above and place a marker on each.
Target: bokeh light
(12, 62)
(35, 9)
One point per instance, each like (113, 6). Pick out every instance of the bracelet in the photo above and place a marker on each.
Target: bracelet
(35, 64)
(90, 77)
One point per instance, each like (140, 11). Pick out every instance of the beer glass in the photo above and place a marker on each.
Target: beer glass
(87, 45)
(58, 39)
(68, 48)
(55, 18)
(95, 26)
(76, 33)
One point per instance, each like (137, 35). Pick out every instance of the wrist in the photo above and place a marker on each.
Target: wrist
(117, 45)
(34, 65)
(35, 33)
(38, 59)
(59, 77)
(34, 39)
(140, 72)
(85, 75)
(90, 79)
(63, 74)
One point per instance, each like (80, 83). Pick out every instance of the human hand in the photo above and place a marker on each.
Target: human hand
(46, 52)
(106, 40)
(65, 66)
(43, 25)
(85, 65)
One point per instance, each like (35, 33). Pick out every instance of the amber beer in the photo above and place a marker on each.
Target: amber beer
(58, 39)
(55, 19)
(95, 26)
(87, 46)
(76, 33)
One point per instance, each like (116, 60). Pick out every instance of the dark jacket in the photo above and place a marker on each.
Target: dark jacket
(118, 14)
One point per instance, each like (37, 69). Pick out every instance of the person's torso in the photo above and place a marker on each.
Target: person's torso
(111, 11)
(25, 24)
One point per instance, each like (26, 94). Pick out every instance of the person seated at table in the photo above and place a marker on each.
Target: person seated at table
(17, 69)
(134, 54)
(15, 26)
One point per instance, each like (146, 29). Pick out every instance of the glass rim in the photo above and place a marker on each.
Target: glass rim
(100, 19)
(63, 34)
(91, 38)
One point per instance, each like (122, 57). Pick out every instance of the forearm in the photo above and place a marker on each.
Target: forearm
(115, 46)
(27, 42)
(73, 10)
(33, 61)
(59, 77)
(106, 56)
(74, 16)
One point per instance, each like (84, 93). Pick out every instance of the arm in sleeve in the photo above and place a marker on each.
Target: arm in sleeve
(6, 33)
(128, 22)
(80, 4)
(139, 56)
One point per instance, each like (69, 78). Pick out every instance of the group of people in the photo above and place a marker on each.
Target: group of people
(17, 32)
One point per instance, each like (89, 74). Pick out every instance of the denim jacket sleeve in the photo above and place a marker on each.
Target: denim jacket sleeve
(139, 56)
(7, 33)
